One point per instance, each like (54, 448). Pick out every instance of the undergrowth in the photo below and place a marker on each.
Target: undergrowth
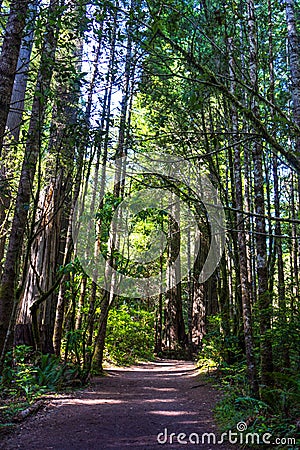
(29, 375)
(130, 336)
(276, 414)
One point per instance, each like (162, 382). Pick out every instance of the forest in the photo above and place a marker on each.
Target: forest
(150, 197)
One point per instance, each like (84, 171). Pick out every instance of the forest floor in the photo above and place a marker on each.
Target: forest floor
(127, 408)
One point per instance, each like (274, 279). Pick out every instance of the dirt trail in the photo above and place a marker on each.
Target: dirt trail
(126, 409)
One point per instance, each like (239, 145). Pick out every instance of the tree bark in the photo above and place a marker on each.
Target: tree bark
(121, 151)
(9, 58)
(278, 252)
(9, 296)
(264, 298)
(14, 118)
(174, 323)
(294, 62)
(243, 260)
(198, 322)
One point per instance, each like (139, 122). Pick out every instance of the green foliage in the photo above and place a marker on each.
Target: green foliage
(216, 346)
(130, 335)
(28, 374)
(276, 412)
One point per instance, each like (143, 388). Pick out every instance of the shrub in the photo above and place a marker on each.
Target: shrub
(130, 336)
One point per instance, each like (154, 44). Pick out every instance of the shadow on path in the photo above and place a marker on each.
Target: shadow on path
(128, 408)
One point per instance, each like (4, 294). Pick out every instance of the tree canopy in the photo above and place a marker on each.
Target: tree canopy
(150, 186)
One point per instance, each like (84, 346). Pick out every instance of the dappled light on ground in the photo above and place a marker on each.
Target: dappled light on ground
(129, 408)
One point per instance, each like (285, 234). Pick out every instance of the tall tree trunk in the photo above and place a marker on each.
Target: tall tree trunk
(14, 118)
(121, 151)
(294, 62)
(264, 298)
(46, 254)
(174, 323)
(198, 320)
(5, 200)
(14, 122)
(42, 268)
(61, 303)
(103, 145)
(242, 252)
(8, 66)
(9, 295)
(9, 58)
(278, 242)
